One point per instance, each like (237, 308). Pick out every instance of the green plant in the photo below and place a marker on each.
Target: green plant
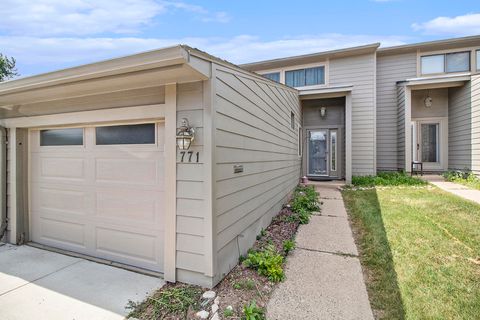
(464, 177)
(247, 284)
(387, 179)
(175, 300)
(267, 262)
(305, 198)
(252, 312)
(288, 245)
(262, 234)
(228, 313)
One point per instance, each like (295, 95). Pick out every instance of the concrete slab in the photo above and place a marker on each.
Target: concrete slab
(333, 207)
(327, 234)
(20, 265)
(80, 290)
(320, 286)
(454, 188)
(328, 189)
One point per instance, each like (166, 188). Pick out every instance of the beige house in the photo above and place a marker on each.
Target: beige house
(171, 161)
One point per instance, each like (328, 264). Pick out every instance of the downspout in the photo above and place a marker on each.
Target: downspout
(3, 183)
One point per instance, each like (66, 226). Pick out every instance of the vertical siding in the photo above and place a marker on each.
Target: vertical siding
(190, 187)
(460, 127)
(400, 125)
(390, 69)
(475, 89)
(359, 71)
(252, 129)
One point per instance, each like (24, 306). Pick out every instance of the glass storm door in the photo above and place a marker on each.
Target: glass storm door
(429, 142)
(317, 153)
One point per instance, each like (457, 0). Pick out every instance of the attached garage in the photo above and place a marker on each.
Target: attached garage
(99, 190)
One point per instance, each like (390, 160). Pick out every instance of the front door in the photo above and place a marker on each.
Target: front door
(317, 163)
(429, 142)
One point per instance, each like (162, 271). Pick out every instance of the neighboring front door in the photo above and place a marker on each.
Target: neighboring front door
(317, 162)
(429, 143)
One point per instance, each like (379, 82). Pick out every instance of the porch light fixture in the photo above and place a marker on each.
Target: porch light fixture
(428, 101)
(185, 135)
(323, 112)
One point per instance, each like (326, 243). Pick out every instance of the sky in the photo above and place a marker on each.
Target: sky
(46, 35)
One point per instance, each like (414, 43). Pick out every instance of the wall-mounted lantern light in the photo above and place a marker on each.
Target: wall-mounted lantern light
(323, 112)
(428, 101)
(185, 135)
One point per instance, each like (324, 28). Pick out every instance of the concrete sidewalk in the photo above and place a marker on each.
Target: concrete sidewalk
(324, 278)
(454, 188)
(39, 284)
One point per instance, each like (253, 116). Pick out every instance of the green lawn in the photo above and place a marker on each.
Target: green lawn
(420, 248)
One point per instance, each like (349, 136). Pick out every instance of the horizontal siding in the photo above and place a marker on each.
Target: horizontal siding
(400, 125)
(190, 185)
(252, 129)
(359, 71)
(460, 128)
(391, 69)
(475, 96)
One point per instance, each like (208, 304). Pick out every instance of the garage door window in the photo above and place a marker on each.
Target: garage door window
(61, 137)
(126, 134)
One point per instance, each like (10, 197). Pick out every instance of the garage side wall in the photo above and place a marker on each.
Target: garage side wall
(257, 162)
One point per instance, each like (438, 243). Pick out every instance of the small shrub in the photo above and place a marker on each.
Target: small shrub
(244, 284)
(252, 312)
(288, 245)
(227, 313)
(305, 198)
(465, 177)
(387, 179)
(262, 234)
(267, 262)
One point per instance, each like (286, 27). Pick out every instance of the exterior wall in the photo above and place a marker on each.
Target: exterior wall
(252, 129)
(475, 89)
(391, 69)
(359, 71)
(464, 126)
(192, 214)
(400, 126)
(439, 106)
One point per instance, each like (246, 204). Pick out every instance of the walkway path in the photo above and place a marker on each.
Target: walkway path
(455, 188)
(324, 277)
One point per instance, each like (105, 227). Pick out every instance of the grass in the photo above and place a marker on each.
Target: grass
(387, 179)
(420, 249)
(466, 178)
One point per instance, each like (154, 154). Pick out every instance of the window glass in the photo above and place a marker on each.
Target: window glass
(433, 64)
(459, 61)
(292, 120)
(126, 134)
(478, 59)
(275, 76)
(305, 77)
(333, 148)
(61, 137)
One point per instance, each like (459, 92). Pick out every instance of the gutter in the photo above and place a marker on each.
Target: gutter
(3, 183)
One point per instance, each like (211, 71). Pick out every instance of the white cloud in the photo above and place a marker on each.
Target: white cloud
(89, 17)
(35, 55)
(468, 24)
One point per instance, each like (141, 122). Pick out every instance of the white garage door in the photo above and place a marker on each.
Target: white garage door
(99, 191)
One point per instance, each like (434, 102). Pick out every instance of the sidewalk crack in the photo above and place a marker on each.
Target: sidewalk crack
(342, 254)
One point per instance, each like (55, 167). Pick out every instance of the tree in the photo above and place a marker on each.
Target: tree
(7, 68)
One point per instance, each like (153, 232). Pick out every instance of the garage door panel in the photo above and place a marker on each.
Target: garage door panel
(62, 201)
(62, 232)
(53, 168)
(128, 171)
(104, 201)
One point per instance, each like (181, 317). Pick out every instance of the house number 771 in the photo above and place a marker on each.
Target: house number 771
(189, 156)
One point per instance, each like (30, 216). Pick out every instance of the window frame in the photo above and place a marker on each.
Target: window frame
(477, 59)
(264, 74)
(82, 145)
(470, 50)
(305, 67)
(96, 145)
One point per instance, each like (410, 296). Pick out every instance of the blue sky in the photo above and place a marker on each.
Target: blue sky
(45, 35)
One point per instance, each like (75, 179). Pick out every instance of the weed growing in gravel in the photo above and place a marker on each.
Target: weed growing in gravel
(252, 312)
(247, 284)
(228, 313)
(288, 245)
(267, 262)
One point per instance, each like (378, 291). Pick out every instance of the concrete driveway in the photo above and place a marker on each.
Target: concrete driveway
(39, 284)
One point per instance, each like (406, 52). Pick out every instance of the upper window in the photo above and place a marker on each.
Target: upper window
(446, 63)
(126, 134)
(61, 137)
(305, 77)
(478, 60)
(275, 76)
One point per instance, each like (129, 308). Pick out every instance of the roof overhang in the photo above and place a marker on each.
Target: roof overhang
(148, 69)
(438, 82)
(326, 92)
(310, 58)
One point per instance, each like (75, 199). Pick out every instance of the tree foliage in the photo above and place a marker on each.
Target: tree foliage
(7, 68)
